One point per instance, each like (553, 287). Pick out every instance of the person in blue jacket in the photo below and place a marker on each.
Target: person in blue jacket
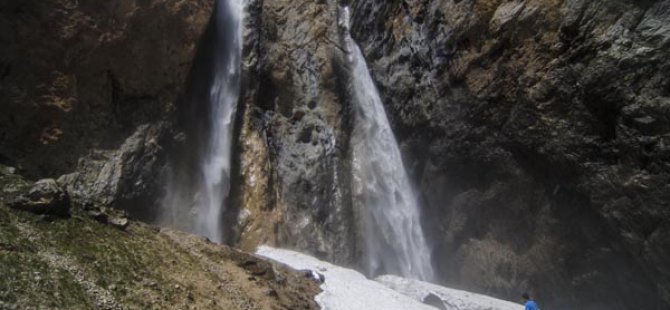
(530, 304)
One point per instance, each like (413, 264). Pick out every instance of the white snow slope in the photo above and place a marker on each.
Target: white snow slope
(347, 289)
(452, 298)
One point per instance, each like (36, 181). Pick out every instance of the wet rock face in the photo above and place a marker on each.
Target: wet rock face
(294, 132)
(537, 133)
(82, 75)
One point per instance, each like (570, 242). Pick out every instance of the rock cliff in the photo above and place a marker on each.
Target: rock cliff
(89, 89)
(294, 127)
(537, 133)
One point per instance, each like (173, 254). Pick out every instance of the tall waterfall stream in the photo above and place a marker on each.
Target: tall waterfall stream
(224, 96)
(208, 203)
(389, 213)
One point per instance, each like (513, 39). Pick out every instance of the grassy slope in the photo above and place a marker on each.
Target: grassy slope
(78, 263)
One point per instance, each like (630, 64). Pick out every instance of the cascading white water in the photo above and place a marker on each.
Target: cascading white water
(224, 95)
(200, 209)
(394, 240)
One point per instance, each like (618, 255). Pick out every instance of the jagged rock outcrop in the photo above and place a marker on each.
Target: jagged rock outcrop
(537, 133)
(128, 178)
(78, 78)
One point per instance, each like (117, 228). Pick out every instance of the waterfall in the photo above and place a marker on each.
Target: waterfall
(388, 210)
(208, 200)
(224, 95)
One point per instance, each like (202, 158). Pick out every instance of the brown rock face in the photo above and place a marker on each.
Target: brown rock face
(537, 132)
(82, 75)
(289, 172)
(294, 132)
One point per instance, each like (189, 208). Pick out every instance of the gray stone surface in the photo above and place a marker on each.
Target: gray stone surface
(129, 178)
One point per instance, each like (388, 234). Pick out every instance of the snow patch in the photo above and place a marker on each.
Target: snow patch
(453, 299)
(347, 289)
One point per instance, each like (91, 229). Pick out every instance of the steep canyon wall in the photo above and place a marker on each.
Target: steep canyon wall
(536, 132)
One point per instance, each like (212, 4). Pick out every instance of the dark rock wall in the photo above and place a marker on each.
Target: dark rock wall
(537, 133)
(79, 78)
(78, 75)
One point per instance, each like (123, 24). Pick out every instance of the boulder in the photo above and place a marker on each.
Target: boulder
(314, 275)
(44, 197)
(109, 216)
(434, 301)
(128, 178)
(119, 222)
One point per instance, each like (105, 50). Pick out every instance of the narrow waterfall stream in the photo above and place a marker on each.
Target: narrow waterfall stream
(200, 209)
(224, 95)
(391, 228)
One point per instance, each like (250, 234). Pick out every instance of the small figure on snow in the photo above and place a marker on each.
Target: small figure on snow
(528, 302)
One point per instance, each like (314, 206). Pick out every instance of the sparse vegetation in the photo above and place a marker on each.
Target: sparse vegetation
(79, 263)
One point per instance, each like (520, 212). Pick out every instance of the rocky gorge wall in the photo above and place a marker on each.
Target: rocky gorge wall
(536, 132)
(89, 90)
